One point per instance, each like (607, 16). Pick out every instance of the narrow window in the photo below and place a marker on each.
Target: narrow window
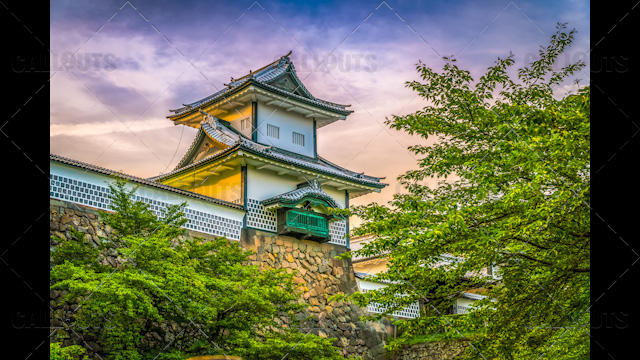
(245, 124)
(298, 138)
(273, 131)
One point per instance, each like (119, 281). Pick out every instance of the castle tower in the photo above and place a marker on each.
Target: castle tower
(257, 146)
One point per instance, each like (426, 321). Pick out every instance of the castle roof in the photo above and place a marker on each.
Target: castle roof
(310, 190)
(278, 77)
(135, 179)
(231, 140)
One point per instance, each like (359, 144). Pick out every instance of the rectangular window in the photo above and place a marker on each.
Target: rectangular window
(273, 131)
(298, 138)
(245, 124)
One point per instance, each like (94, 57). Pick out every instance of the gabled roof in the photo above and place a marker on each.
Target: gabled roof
(357, 243)
(374, 278)
(270, 77)
(135, 179)
(472, 296)
(223, 133)
(294, 197)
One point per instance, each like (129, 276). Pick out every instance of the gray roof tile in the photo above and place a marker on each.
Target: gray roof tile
(215, 129)
(313, 190)
(265, 76)
(105, 171)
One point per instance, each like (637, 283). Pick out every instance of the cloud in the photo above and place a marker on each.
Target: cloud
(202, 44)
(103, 128)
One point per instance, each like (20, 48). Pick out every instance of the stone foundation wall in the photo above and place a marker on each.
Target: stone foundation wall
(314, 264)
(323, 276)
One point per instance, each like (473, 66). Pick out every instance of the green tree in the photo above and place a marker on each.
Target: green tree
(168, 298)
(517, 194)
(73, 352)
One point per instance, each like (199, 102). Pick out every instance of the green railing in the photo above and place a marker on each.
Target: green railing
(303, 224)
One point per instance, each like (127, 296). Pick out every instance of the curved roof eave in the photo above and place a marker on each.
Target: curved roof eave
(215, 129)
(148, 182)
(242, 146)
(221, 96)
(298, 196)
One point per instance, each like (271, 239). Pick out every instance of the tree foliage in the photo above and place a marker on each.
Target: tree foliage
(517, 195)
(170, 297)
(73, 352)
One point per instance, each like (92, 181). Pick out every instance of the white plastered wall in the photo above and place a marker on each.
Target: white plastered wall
(464, 301)
(288, 122)
(148, 192)
(338, 195)
(234, 117)
(263, 184)
(373, 266)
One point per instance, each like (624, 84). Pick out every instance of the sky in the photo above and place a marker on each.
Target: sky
(118, 68)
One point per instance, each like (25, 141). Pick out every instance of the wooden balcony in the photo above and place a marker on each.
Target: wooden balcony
(303, 224)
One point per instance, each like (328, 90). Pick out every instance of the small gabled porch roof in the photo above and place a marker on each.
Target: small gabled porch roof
(310, 191)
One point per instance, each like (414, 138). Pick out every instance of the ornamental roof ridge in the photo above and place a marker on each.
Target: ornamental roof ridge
(212, 127)
(209, 119)
(265, 76)
(311, 188)
(199, 136)
(221, 133)
(280, 64)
